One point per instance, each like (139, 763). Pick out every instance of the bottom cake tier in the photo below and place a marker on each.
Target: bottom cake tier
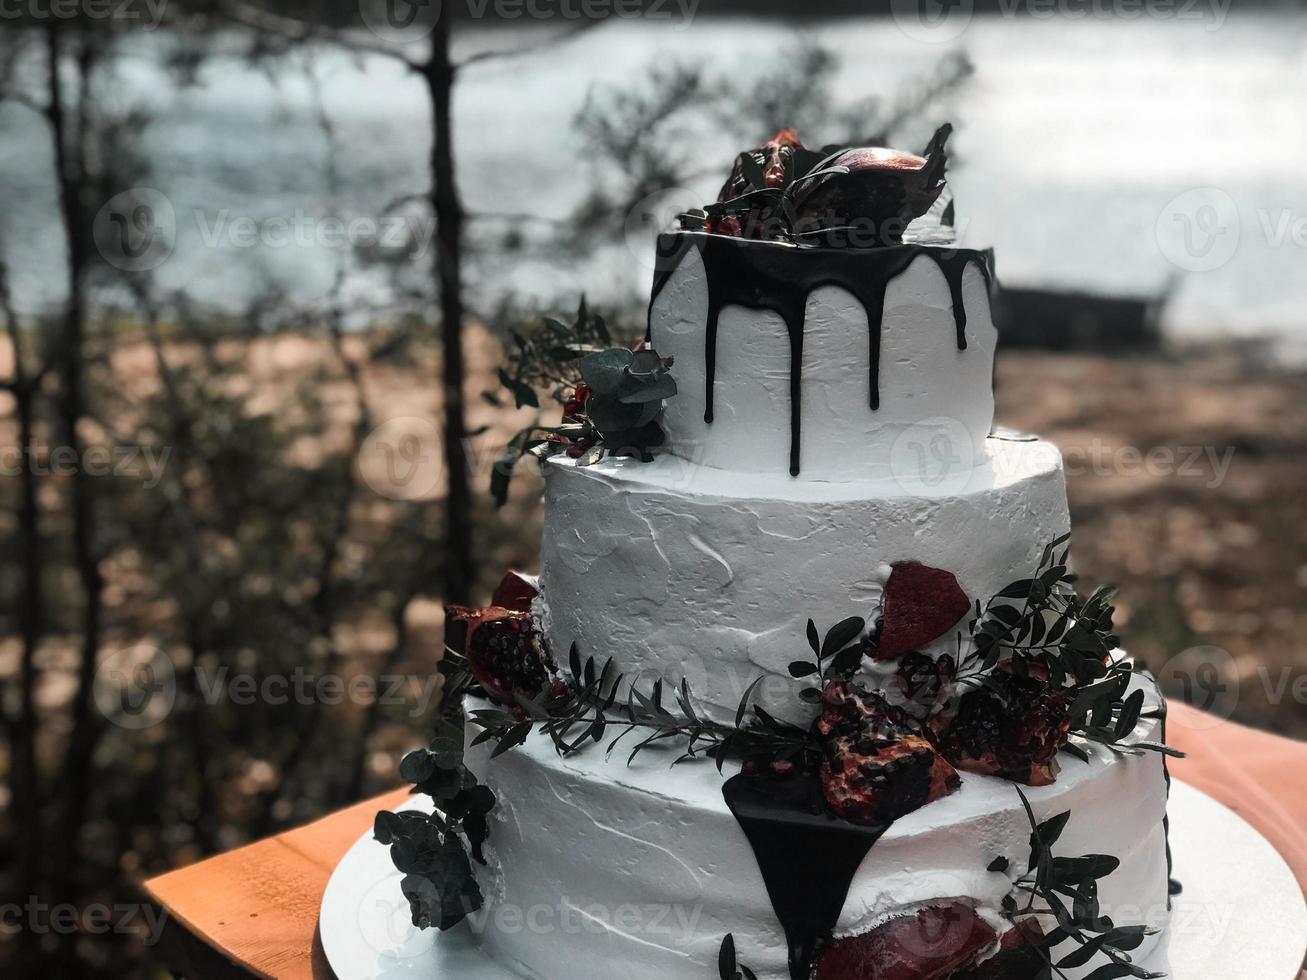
(600, 869)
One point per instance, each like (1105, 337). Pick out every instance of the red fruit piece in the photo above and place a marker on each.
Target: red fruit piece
(728, 225)
(507, 654)
(1018, 958)
(771, 157)
(877, 765)
(920, 604)
(933, 944)
(575, 405)
(516, 591)
(922, 679)
(878, 190)
(1011, 726)
(578, 449)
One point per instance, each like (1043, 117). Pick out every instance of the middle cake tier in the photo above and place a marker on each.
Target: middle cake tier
(681, 571)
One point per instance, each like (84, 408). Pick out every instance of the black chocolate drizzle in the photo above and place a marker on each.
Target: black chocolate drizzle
(1173, 887)
(806, 854)
(765, 275)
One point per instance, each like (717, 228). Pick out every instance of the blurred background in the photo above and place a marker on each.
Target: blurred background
(257, 263)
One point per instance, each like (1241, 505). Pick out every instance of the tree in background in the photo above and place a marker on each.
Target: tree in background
(256, 553)
(648, 140)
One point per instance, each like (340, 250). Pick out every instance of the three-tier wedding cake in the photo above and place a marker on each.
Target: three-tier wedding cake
(805, 688)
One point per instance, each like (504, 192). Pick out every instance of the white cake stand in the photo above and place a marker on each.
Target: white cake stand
(1241, 916)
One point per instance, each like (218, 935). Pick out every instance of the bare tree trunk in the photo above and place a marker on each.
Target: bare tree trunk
(195, 601)
(356, 768)
(26, 778)
(77, 778)
(440, 73)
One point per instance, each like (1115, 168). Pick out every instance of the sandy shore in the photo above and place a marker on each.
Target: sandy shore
(1186, 476)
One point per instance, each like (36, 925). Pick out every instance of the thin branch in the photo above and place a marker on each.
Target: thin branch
(298, 31)
(557, 40)
(31, 616)
(515, 217)
(27, 102)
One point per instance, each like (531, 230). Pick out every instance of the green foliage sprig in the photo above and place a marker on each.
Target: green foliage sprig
(544, 359)
(1067, 887)
(590, 707)
(620, 415)
(432, 850)
(627, 391)
(1041, 625)
(838, 656)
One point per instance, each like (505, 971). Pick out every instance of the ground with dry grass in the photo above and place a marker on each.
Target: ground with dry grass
(1186, 475)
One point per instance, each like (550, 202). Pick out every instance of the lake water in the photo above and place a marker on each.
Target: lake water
(1103, 155)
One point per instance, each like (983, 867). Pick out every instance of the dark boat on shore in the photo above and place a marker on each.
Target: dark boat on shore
(1048, 319)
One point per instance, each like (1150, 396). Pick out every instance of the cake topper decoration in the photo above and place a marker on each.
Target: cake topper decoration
(850, 197)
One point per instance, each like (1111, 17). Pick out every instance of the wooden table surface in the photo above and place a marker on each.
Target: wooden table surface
(254, 911)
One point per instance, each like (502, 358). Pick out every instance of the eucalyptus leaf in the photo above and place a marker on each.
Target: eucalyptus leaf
(605, 371)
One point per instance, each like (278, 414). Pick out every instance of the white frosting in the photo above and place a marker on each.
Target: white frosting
(929, 389)
(684, 571)
(599, 869)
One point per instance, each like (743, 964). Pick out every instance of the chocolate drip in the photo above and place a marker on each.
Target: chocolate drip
(1173, 887)
(807, 857)
(763, 275)
(954, 266)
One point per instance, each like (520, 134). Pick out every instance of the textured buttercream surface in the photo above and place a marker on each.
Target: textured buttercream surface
(684, 571)
(929, 388)
(598, 869)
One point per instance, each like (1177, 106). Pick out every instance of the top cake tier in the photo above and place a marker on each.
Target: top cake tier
(831, 364)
